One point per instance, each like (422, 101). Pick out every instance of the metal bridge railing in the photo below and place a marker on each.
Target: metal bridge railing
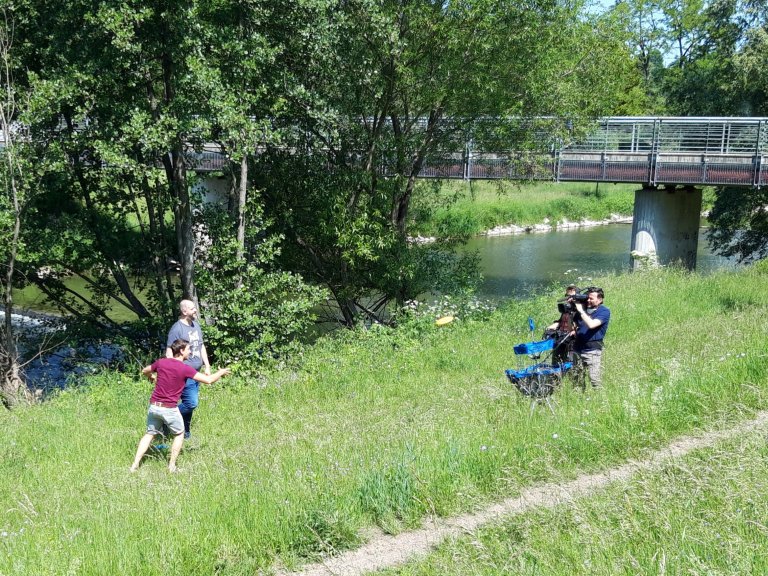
(643, 150)
(708, 135)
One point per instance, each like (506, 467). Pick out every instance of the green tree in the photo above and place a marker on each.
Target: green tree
(699, 82)
(738, 218)
(751, 65)
(256, 311)
(18, 174)
(739, 224)
(377, 88)
(649, 42)
(130, 94)
(685, 24)
(107, 203)
(726, 75)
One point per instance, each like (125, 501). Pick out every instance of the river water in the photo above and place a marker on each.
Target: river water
(523, 264)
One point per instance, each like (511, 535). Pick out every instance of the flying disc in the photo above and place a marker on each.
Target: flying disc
(444, 320)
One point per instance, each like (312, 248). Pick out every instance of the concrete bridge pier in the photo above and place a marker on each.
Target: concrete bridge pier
(665, 228)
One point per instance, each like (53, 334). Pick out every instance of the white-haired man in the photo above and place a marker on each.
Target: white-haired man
(186, 328)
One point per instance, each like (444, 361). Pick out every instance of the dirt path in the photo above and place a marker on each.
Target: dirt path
(388, 551)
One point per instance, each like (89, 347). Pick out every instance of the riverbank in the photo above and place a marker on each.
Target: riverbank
(459, 209)
(547, 226)
(375, 429)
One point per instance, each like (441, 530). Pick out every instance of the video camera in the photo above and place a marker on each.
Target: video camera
(567, 304)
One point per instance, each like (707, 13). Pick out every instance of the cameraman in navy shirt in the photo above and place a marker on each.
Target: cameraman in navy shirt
(591, 327)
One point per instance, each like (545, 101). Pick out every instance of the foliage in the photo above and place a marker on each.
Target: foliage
(125, 97)
(254, 312)
(752, 77)
(696, 57)
(739, 224)
(20, 172)
(398, 84)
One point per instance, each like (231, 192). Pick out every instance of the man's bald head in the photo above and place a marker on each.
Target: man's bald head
(187, 308)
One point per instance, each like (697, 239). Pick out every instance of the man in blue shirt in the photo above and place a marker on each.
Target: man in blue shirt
(591, 326)
(186, 328)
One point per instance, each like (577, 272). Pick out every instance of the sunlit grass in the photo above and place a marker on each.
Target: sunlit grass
(458, 208)
(704, 514)
(376, 428)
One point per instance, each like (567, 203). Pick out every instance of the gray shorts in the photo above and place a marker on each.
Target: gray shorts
(159, 420)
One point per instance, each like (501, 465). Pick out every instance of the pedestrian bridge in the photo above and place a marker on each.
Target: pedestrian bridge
(651, 151)
(670, 158)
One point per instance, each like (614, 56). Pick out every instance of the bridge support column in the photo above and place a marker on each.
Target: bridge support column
(665, 228)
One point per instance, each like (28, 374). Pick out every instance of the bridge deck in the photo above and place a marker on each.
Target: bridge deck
(643, 150)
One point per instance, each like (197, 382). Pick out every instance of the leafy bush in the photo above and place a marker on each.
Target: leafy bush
(254, 312)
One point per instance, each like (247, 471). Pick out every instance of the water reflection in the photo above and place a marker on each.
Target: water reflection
(520, 265)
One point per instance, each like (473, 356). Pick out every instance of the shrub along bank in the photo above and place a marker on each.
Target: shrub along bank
(373, 428)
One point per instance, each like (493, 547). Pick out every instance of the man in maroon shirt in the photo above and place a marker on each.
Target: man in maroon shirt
(169, 375)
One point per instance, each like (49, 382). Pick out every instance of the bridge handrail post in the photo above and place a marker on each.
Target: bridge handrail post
(603, 167)
(654, 155)
(758, 159)
(704, 168)
(467, 168)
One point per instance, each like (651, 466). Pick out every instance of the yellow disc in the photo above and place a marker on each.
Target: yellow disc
(444, 320)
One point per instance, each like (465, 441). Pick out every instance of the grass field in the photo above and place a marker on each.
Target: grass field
(380, 428)
(704, 514)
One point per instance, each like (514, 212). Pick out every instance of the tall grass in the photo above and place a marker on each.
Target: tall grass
(376, 428)
(704, 514)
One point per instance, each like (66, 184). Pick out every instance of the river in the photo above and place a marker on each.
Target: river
(522, 264)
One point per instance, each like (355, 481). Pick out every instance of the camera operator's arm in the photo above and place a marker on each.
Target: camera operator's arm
(586, 318)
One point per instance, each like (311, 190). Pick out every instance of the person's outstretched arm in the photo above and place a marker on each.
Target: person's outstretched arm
(211, 378)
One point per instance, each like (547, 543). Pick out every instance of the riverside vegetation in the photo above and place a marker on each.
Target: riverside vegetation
(460, 209)
(380, 428)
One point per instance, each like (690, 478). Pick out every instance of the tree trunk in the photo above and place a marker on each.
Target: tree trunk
(183, 220)
(13, 388)
(162, 280)
(114, 267)
(242, 197)
(402, 202)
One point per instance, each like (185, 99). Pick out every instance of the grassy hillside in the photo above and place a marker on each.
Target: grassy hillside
(704, 514)
(376, 428)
